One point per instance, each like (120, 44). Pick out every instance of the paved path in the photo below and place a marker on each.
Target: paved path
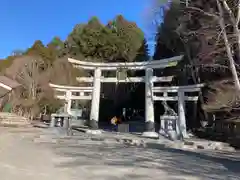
(23, 159)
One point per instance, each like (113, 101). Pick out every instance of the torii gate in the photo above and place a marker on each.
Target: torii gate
(150, 90)
(84, 94)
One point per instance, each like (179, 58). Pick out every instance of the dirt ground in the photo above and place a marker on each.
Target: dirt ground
(23, 159)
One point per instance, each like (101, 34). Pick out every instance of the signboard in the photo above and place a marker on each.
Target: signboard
(121, 74)
(174, 63)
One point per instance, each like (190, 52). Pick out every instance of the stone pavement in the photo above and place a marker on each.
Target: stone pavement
(82, 158)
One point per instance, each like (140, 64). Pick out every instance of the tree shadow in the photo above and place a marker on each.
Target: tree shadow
(144, 162)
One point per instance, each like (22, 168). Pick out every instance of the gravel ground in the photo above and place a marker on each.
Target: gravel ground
(23, 159)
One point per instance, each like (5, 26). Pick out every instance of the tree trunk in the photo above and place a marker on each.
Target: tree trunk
(235, 22)
(228, 48)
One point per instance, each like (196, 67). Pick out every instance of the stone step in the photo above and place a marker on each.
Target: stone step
(68, 142)
(18, 118)
(12, 116)
(41, 140)
(9, 115)
(11, 119)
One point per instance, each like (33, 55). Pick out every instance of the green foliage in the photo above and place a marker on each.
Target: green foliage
(6, 63)
(37, 49)
(72, 44)
(93, 41)
(97, 42)
(119, 40)
(56, 44)
(48, 54)
(130, 37)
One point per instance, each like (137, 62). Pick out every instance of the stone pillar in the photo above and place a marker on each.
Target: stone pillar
(53, 121)
(194, 118)
(58, 121)
(66, 123)
(181, 125)
(94, 115)
(149, 105)
(69, 101)
(162, 130)
(163, 118)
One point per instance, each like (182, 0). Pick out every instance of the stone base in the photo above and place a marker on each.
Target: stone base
(66, 123)
(162, 132)
(93, 124)
(169, 134)
(95, 132)
(186, 136)
(150, 134)
(172, 135)
(79, 123)
(149, 126)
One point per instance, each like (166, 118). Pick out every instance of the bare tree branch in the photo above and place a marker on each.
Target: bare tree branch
(229, 11)
(195, 9)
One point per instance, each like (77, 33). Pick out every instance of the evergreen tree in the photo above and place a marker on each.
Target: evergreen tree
(143, 52)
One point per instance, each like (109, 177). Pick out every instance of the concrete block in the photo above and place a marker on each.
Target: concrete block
(153, 135)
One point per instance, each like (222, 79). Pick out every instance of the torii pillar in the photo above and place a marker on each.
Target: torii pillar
(94, 115)
(149, 105)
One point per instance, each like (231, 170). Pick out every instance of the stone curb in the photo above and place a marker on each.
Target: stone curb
(176, 145)
(181, 146)
(140, 142)
(209, 145)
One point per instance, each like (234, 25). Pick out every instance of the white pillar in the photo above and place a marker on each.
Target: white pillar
(94, 115)
(53, 121)
(163, 119)
(149, 105)
(181, 124)
(162, 127)
(69, 101)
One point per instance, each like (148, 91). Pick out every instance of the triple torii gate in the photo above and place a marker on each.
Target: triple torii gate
(149, 80)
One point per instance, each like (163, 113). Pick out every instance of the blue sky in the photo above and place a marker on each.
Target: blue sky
(24, 21)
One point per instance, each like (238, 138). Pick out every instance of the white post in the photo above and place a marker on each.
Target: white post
(149, 105)
(94, 115)
(162, 127)
(163, 120)
(53, 121)
(69, 101)
(181, 124)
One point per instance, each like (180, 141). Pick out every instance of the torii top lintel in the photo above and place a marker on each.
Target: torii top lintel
(156, 64)
(63, 87)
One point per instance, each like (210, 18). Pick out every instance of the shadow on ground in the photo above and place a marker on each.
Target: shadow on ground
(125, 162)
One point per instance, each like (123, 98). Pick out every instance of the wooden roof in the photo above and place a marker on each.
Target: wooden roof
(3, 92)
(7, 85)
(9, 82)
